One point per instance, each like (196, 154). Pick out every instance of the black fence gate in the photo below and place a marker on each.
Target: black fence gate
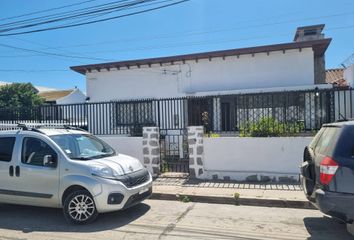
(174, 151)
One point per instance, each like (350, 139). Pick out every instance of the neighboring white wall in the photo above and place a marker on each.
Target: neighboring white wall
(132, 146)
(349, 75)
(278, 69)
(238, 158)
(75, 97)
(343, 108)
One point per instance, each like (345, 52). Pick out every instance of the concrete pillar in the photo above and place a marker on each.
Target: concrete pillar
(151, 149)
(196, 151)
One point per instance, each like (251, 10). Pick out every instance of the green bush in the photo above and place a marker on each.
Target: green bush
(212, 135)
(270, 127)
(184, 199)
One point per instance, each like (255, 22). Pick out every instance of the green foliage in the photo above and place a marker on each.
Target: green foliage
(19, 95)
(213, 135)
(165, 167)
(184, 199)
(237, 198)
(269, 127)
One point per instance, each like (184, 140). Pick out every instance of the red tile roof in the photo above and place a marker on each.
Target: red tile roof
(336, 76)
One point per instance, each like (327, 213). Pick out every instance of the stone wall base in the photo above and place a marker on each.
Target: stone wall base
(251, 177)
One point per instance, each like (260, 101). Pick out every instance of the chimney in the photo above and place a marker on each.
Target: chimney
(309, 33)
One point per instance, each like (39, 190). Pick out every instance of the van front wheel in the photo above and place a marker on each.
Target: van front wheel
(80, 208)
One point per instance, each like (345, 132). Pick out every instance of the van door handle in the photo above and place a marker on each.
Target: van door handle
(17, 171)
(11, 171)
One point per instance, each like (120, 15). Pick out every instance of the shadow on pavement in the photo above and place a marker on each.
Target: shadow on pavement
(33, 219)
(326, 228)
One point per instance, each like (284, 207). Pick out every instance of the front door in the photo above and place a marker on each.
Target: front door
(7, 169)
(38, 177)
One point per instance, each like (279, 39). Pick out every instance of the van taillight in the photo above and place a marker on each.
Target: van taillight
(328, 168)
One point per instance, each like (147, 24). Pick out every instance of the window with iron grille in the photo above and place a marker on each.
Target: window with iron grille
(130, 117)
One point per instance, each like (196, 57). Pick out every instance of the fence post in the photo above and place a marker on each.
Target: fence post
(196, 151)
(151, 150)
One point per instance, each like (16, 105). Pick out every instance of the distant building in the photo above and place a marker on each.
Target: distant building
(70, 96)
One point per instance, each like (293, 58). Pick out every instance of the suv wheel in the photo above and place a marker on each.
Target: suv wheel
(80, 208)
(307, 173)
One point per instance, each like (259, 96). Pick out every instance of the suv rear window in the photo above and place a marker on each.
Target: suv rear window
(346, 145)
(325, 144)
(6, 148)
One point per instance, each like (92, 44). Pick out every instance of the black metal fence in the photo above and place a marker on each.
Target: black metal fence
(272, 113)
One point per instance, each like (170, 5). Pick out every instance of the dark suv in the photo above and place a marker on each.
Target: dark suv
(327, 171)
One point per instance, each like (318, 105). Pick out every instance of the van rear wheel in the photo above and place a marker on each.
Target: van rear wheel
(80, 208)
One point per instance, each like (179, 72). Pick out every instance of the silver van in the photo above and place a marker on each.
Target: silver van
(71, 169)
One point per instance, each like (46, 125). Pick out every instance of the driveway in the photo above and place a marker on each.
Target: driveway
(156, 219)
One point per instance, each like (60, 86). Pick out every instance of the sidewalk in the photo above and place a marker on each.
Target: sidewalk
(253, 194)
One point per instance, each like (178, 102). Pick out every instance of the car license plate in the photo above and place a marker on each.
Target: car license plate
(143, 190)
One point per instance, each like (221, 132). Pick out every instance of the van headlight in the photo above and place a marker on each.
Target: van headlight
(104, 172)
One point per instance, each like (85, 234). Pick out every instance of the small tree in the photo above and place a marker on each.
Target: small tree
(19, 95)
(19, 101)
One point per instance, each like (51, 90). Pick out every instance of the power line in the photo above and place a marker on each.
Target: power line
(43, 45)
(188, 44)
(52, 54)
(29, 71)
(193, 33)
(94, 21)
(46, 10)
(197, 43)
(69, 15)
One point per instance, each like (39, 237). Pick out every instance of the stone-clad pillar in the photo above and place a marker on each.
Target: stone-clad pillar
(196, 151)
(151, 149)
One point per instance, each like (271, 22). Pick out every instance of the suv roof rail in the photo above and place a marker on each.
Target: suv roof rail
(36, 126)
(345, 120)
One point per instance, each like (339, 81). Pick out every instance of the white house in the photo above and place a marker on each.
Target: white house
(299, 64)
(296, 65)
(221, 77)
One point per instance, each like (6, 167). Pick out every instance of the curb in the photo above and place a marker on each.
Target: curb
(260, 202)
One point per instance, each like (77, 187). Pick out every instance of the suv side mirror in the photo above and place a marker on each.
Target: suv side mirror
(49, 161)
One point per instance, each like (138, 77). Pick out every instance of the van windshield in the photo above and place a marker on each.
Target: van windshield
(83, 146)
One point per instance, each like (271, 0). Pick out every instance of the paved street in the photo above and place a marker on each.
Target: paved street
(156, 219)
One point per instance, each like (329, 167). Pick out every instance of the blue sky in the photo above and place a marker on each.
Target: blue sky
(194, 26)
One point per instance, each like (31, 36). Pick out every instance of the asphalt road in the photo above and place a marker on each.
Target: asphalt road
(155, 219)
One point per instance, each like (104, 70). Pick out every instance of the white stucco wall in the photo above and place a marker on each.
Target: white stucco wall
(278, 69)
(132, 146)
(241, 157)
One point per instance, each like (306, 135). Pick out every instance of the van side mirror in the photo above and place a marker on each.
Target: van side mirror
(49, 161)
